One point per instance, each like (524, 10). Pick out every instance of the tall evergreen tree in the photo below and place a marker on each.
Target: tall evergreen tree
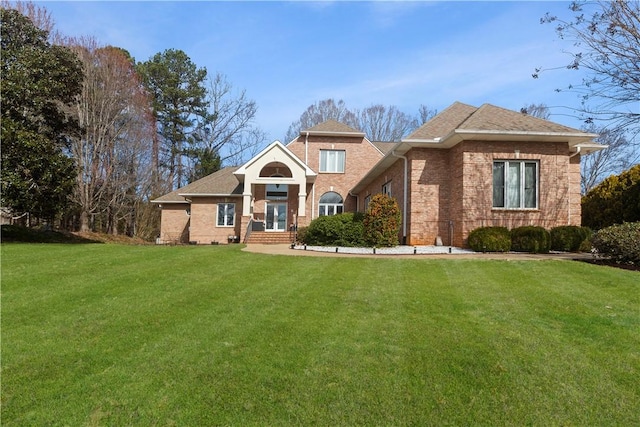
(38, 79)
(179, 107)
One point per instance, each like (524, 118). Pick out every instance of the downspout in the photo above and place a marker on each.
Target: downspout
(306, 149)
(313, 187)
(313, 200)
(404, 201)
(569, 204)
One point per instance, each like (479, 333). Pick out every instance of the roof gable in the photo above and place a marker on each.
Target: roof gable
(274, 151)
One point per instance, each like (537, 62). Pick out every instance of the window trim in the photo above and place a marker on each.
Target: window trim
(336, 165)
(225, 215)
(336, 206)
(367, 200)
(386, 188)
(522, 187)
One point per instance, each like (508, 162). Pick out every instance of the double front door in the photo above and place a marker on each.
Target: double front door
(276, 216)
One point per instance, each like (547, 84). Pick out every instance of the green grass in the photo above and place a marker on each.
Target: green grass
(147, 335)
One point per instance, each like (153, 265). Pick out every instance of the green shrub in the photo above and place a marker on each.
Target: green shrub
(530, 239)
(490, 239)
(569, 238)
(300, 234)
(614, 201)
(621, 242)
(382, 222)
(342, 230)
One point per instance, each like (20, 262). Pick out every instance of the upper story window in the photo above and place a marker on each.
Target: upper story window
(332, 161)
(226, 214)
(515, 184)
(386, 188)
(330, 204)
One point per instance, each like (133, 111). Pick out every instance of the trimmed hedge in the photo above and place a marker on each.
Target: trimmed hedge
(344, 229)
(621, 242)
(490, 239)
(569, 238)
(530, 239)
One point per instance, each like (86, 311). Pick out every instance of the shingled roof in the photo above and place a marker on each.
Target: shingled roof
(220, 183)
(488, 118)
(445, 122)
(332, 127)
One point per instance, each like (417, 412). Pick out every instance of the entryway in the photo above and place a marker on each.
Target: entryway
(276, 216)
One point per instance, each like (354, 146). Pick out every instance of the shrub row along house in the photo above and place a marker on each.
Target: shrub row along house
(465, 168)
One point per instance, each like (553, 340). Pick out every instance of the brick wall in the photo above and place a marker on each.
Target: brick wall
(204, 228)
(430, 196)
(174, 223)
(557, 185)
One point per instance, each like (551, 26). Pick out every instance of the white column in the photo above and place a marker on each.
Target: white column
(302, 203)
(246, 198)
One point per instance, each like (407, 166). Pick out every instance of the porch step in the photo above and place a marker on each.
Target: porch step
(270, 237)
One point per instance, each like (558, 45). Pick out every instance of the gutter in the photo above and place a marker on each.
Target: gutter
(404, 201)
(577, 151)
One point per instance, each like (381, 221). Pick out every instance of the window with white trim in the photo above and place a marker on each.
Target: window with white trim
(332, 161)
(515, 184)
(226, 214)
(330, 204)
(386, 188)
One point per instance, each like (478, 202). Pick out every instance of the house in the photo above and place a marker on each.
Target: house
(467, 167)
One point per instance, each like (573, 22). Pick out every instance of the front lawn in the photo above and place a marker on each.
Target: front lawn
(96, 334)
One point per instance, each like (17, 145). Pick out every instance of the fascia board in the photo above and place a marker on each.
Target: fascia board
(169, 202)
(208, 195)
(572, 138)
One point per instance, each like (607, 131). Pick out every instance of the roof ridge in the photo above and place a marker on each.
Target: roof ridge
(331, 126)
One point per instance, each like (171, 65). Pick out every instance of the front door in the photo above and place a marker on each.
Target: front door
(276, 216)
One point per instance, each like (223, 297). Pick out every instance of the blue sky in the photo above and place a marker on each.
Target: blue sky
(288, 55)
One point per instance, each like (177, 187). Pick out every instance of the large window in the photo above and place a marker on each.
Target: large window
(515, 184)
(330, 204)
(332, 161)
(226, 214)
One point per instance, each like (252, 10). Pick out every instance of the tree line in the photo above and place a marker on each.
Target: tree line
(90, 136)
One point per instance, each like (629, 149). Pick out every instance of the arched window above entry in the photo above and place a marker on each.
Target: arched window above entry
(330, 204)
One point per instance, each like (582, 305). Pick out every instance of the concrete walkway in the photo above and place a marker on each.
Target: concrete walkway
(285, 249)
